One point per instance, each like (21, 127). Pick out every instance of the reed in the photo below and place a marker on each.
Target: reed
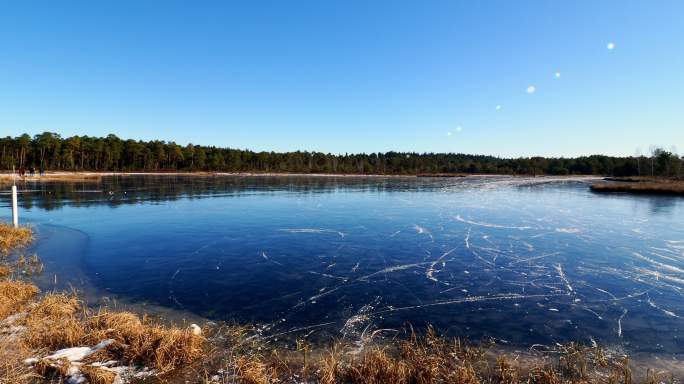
(59, 320)
(253, 370)
(98, 375)
(431, 358)
(12, 238)
(641, 185)
(12, 367)
(7, 179)
(14, 295)
(53, 322)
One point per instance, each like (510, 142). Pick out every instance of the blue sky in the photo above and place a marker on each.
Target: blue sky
(350, 76)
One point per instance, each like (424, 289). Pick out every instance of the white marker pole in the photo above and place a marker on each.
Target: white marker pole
(15, 208)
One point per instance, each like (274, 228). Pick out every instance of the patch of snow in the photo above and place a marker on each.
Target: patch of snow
(568, 230)
(196, 330)
(31, 361)
(78, 353)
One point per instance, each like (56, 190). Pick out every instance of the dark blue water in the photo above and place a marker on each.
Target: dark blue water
(526, 261)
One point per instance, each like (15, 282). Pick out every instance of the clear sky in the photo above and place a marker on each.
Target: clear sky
(350, 76)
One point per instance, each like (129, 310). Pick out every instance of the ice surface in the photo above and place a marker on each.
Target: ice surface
(533, 261)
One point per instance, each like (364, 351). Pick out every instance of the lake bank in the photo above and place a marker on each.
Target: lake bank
(640, 185)
(88, 175)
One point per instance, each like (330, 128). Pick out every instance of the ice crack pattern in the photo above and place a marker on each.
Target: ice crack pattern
(527, 260)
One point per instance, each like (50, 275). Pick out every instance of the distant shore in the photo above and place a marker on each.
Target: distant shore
(640, 185)
(87, 175)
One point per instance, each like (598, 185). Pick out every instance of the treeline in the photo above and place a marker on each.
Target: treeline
(50, 151)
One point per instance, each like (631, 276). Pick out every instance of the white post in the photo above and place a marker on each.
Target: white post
(15, 209)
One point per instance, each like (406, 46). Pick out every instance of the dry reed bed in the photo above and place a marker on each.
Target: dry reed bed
(432, 359)
(641, 185)
(11, 238)
(8, 179)
(56, 321)
(63, 176)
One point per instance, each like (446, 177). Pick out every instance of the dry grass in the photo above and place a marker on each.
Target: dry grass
(375, 366)
(14, 295)
(641, 185)
(60, 321)
(253, 370)
(53, 323)
(416, 360)
(49, 177)
(12, 367)
(98, 375)
(12, 238)
(432, 359)
(140, 342)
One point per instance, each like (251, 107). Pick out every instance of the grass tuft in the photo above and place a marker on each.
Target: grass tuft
(53, 322)
(253, 370)
(641, 185)
(98, 375)
(14, 295)
(12, 238)
(59, 321)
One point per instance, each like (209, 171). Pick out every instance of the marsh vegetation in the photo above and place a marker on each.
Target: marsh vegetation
(643, 185)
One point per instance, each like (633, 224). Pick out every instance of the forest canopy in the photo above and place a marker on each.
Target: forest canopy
(50, 151)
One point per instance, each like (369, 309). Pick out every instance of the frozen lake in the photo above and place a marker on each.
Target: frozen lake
(525, 261)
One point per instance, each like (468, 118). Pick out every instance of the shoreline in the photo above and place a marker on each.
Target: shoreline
(88, 175)
(640, 185)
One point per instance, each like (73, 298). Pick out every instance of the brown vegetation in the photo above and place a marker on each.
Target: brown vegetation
(434, 359)
(430, 359)
(6, 179)
(98, 375)
(13, 295)
(60, 321)
(12, 238)
(640, 185)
